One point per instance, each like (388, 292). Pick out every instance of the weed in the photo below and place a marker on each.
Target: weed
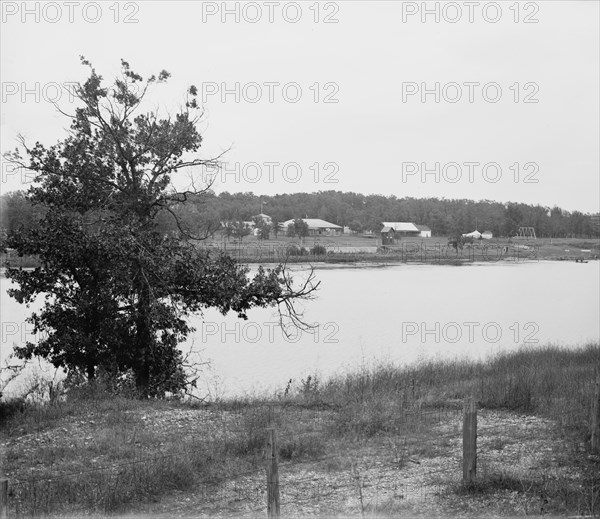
(386, 405)
(305, 446)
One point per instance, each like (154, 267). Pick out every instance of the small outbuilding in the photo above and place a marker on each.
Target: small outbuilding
(424, 231)
(409, 229)
(264, 217)
(476, 235)
(388, 235)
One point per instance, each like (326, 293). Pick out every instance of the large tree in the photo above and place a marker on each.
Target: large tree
(118, 288)
(513, 218)
(298, 228)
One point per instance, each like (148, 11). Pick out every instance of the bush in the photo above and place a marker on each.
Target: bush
(107, 384)
(252, 437)
(302, 447)
(365, 420)
(294, 250)
(11, 407)
(318, 250)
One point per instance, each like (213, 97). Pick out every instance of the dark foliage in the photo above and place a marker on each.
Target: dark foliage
(117, 287)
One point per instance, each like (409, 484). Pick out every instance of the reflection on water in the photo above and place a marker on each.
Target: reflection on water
(398, 313)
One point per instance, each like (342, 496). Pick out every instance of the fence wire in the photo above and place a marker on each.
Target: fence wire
(323, 467)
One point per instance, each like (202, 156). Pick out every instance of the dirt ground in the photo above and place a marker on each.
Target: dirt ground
(409, 475)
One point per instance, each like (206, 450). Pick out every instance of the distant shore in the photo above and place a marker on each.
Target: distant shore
(352, 250)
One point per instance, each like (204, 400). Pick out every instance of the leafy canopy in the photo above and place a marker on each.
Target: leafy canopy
(118, 290)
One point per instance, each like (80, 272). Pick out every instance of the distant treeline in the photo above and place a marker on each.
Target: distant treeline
(357, 211)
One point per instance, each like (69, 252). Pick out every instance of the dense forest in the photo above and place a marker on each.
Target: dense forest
(357, 211)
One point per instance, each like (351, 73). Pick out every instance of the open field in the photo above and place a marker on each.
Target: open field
(384, 442)
(354, 248)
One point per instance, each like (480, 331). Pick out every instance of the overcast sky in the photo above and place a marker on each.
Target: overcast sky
(330, 96)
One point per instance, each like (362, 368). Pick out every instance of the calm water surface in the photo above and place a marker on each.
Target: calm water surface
(399, 313)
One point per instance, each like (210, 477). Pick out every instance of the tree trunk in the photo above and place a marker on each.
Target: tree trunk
(91, 372)
(143, 340)
(142, 379)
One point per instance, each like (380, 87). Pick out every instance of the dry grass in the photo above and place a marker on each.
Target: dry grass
(126, 452)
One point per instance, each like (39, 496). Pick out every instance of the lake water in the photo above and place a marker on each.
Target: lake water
(401, 313)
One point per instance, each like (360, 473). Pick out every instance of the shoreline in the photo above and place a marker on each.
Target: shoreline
(351, 251)
(379, 262)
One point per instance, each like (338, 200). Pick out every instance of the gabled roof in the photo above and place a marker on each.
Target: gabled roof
(423, 228)
(402, 226)
(314, 223)
(387, 228)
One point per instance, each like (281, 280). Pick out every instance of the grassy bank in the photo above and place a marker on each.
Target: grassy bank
(129, 455)
(551, 381)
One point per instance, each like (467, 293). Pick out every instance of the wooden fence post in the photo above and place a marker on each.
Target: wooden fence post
(271, 408)
(3, 498)
(272, 476)
(469, 440)
(595, 421)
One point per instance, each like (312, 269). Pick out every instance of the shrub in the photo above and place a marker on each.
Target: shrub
(294, 250)
(318, 250)
(11, 407)
(304, 446)
(364, 420)
(251, 439)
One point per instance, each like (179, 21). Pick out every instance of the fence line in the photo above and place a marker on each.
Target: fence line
(271, 492)
(470, 441)
(3, 498)
(595, 421)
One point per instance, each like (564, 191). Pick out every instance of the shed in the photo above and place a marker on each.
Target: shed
(388, 235)
(424, 231)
